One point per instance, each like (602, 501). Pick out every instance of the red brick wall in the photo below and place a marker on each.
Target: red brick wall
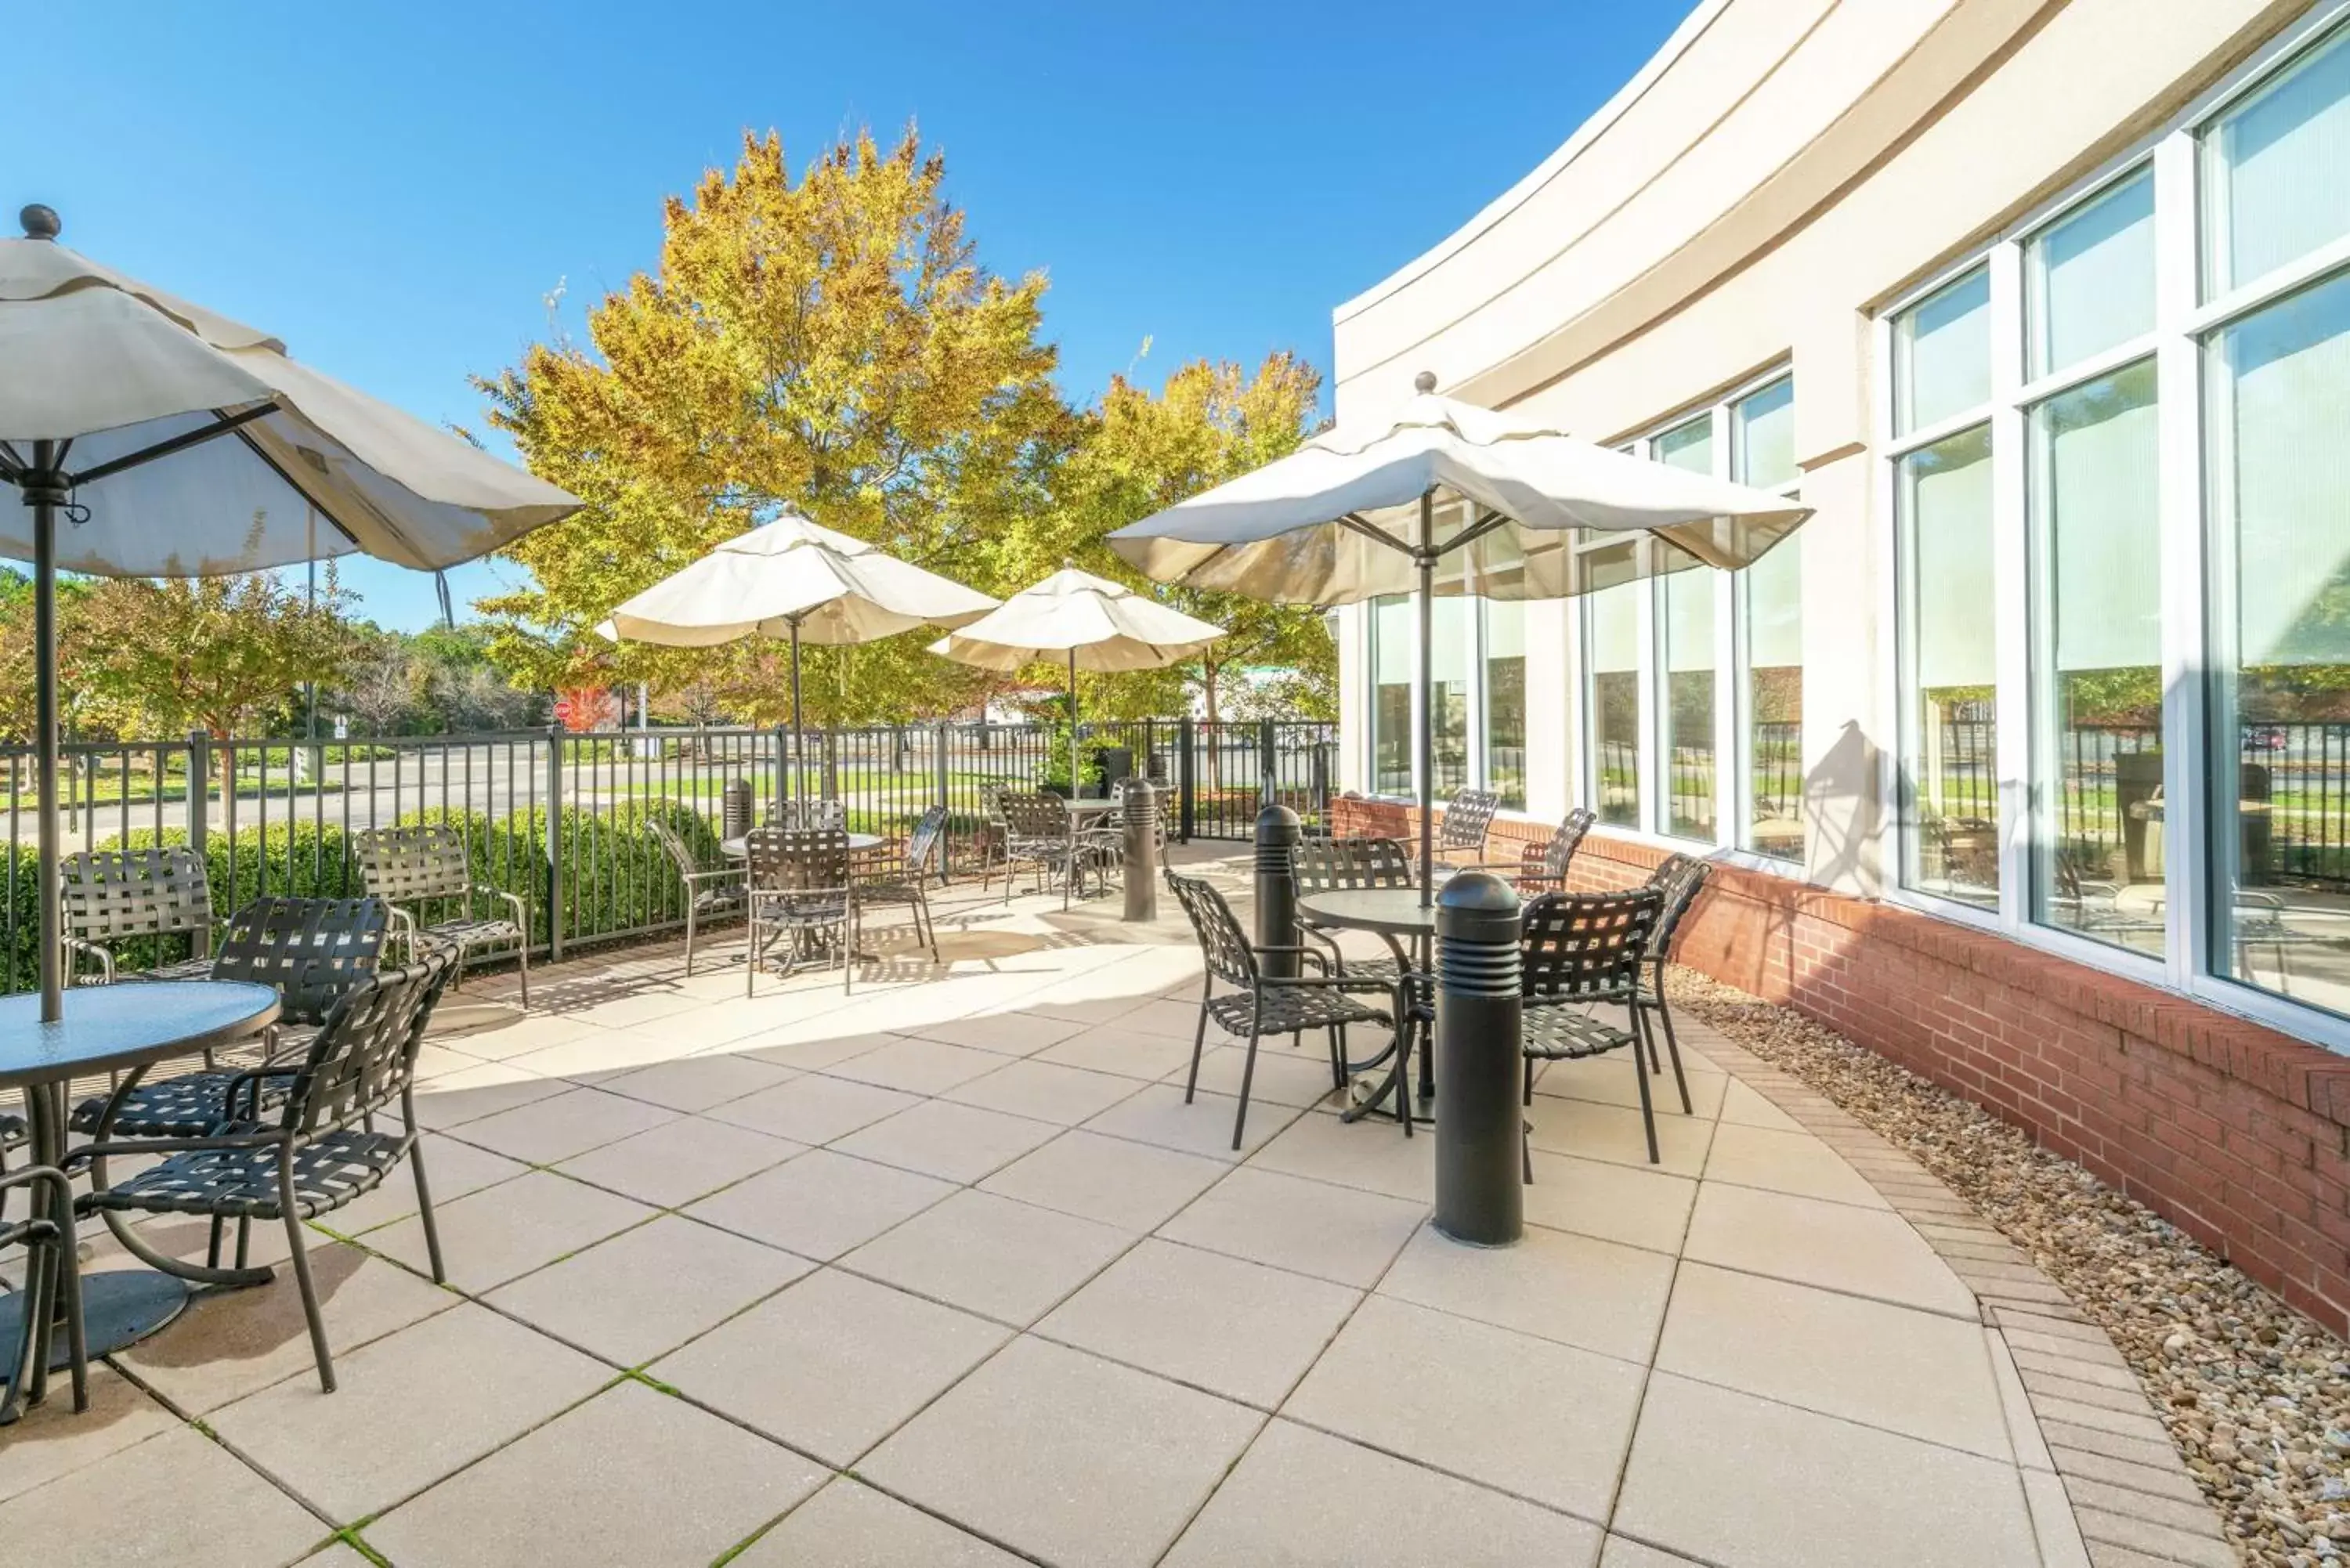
(2237, 1134)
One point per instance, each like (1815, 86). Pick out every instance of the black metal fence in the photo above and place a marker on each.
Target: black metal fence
(560, 819)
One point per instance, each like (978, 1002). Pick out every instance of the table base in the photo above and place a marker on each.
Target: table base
(120, 1307)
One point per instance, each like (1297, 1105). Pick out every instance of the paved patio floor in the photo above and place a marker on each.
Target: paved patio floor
(945, 1271)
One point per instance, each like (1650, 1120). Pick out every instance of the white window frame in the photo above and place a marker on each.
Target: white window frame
(1480, 766)
(2182, 324)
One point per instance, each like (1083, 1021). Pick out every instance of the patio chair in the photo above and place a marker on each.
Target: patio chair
(321, 1151)
(52, 1285)
(312, 950)
(428, 862)
(114, 896)
(901, 875)
(1467, 818)
(709, 889)
(800, 894)
(1678, 879)
(1577, 952)
(821, 812)
(1269, 1005)
(1545, 871)
(1037, 833)
(1342, 865)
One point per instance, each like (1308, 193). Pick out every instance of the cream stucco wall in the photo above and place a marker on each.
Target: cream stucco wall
(1779, 171)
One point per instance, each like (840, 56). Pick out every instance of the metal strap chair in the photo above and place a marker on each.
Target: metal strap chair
(1468, 819)
(428, 862)
(1678, 879)
(51, 1289)
(826, 812)
(1546, 872)
(708, 891)
(1343, 864)
(313, 951)
(321, 1151)
(1266, 1005)
(112, 896)
(901, 875)
(1037, 833)
(800, 893)
(1576, 952)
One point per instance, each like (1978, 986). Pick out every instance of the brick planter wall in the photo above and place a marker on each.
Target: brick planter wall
(2237, 1134)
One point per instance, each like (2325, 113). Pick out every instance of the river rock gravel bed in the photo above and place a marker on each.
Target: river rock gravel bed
(2255, 1394)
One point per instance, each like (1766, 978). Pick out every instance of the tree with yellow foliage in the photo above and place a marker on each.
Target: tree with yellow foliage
(830, 344)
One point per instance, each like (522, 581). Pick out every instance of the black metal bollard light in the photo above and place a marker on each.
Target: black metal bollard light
(1139, 813)
(1276, 890)
(1479, 1009)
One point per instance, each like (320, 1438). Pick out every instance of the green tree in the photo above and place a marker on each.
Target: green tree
(1139, 453)
(221, 654)
(831, 344)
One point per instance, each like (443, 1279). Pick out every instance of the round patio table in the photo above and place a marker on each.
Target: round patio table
(122, 1028)
(1397, 914)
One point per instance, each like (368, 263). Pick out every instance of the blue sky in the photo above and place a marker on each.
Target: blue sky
(396, 189)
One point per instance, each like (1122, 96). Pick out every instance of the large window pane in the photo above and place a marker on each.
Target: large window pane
(2089, 280)
(2276, 171)
(1762, 453)
(1688, 446)
(1505, 701)
(1454, 654)
(1612, 698)
(1941, 354)
(1949, 710)
(1391, 677)
(1763, 436)
(2278, 402)
(1774, 701)
(1689, 703)
(2098, 661)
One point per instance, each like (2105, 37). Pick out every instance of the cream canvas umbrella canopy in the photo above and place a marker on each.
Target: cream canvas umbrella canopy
(1097, 623)
(791, 577)
(1444, 497)
(175, 443)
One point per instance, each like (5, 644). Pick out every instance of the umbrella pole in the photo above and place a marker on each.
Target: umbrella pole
(1074, 791)
(790, 781)
(44, 487)
(1426, 556)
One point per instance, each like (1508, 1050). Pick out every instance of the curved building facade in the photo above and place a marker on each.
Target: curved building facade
(2027, 759)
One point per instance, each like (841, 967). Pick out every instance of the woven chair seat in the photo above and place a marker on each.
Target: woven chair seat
(1561, 1032)
(470, 933)
(1384, 968)
(241, 1183)
(186, 969)
(722, 895)
(804, 909)
(1290, 1008)
(891, 890)
(188, 1105)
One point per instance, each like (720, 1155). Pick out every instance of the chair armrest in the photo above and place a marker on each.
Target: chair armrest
(76, 946)
(512, 901)
(90, 1152)
(692, 877)
(252, 1076)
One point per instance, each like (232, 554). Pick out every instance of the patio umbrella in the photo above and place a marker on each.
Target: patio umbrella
(1447, 498)
(175, 443)
(795, 578)
(1098, 625)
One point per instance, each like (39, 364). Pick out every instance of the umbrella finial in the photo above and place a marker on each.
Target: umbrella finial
(40, 222)
(1424, 382)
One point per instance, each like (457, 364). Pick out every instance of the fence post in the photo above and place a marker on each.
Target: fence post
(553, 842)
(942, 784)
(1186, 779)
(200, 783)
(1268, 766)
